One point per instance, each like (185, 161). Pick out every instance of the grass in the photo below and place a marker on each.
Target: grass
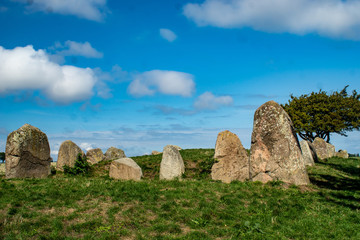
(97, 207)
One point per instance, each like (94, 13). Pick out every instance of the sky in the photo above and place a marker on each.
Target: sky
(139, 74)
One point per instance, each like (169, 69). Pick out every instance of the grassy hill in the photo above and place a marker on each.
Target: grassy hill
(97, 207)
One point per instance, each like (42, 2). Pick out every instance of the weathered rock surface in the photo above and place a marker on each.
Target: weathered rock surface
(308, 153)
(155, 153)
(233, 160)
(323, 149)
(125, 169)
(342, 154)
(275, 149)
(114, 153)
(27, 153)
(68, 153)
(172, 165)
(94, 156)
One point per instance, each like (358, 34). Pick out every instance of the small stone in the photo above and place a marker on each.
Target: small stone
(68, 153)
(172, 165)
(114, 153)
(308, 153)
(94, 156)
(233, 160)
(155, 153)
(27, 153)
(125, 169)
(323, 149)
(342, 154)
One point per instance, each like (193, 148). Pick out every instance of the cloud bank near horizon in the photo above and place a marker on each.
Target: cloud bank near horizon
(329, 18)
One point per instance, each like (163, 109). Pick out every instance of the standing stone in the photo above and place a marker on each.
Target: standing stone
(114, 153)
(330, 149)
(94, 156)
(342, 154)
(323, 149)
(27, 153)
(275, 150)
(233, 160)
(155, 153)
(125, 169)
(68, 153)
(172, 165)
(308, 153)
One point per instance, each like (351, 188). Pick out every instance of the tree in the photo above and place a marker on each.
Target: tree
(319, 114)
(2, 156)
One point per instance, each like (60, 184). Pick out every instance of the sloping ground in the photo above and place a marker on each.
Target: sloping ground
(96, 207)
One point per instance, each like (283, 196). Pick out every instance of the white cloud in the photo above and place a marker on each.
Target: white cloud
(208, 101)
(80, 49)
(167, 34)
(24, 68)
(88, 9)
(87, 146)
(331, 18)
(165, 82)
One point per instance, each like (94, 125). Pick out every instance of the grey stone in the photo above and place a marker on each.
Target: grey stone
(114, 153)
(68, 153)
(308, 153)
(94, 156)
(172, 165)
(27, 153)
(275, 149)
(125, 169)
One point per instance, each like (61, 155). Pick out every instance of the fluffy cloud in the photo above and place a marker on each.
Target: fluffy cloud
(88, 9)
(208, 101)
(332, 18)
(167, 34)
(24, 68)
(165, 82)
(71, 48)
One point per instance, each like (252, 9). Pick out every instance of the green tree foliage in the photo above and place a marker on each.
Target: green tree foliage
(319, 114)
(2, 156)
(81, 166)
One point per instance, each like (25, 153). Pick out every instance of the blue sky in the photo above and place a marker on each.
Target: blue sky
(139, 74)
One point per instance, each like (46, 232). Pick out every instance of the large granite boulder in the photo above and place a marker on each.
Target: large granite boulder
(172, 165)
(125, 169)
(342, 154)
(323, 149)
(233, 160)
(68, 153)
(94, 156)
(27, 153)
(275, 149)
(114, 153)
(308, 153)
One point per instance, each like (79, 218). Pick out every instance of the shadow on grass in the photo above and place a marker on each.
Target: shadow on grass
(340, 180)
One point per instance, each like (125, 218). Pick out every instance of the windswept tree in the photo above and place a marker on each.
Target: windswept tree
(319, 114)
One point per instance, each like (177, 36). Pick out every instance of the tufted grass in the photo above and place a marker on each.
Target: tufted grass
(97, 207)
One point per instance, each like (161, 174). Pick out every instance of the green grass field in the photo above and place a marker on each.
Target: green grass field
(96, 207)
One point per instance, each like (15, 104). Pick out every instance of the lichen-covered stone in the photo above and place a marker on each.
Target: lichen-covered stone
(94, 156)
(342, 154)
(114, 153)
(308, 153)
(68, 153)
(172, 165)
(323, 149)
(232, 159)
(155, 152)
(125, 169)
(27, 153)
(275, 149)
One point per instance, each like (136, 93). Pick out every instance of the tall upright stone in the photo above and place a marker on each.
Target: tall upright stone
(114, 153)
(232, 159)
(27, 153)
(308, 153)
(275, 150)
(68, 153)
(172, 165)
(94, 156)
(323, 149)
